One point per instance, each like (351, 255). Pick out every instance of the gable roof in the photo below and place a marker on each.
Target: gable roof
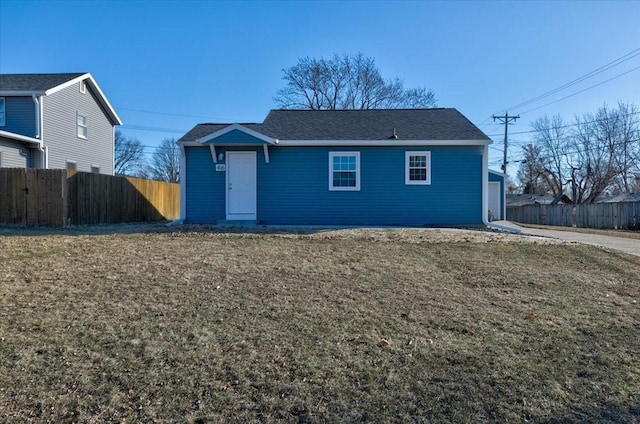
(34, 82)
(47, 84)
(354, 125)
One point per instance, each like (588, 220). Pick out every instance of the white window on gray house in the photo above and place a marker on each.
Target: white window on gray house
(82, 126)
(2, 112)
(72, 166)
(417, 168)
(95, 169)
(344, 171)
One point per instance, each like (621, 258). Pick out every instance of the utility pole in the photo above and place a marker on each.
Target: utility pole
(505, 120)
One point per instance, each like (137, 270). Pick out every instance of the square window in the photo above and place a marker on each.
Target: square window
(344, 171)
(417, 168)
(82, 126)
(72, 166)
(95, 169)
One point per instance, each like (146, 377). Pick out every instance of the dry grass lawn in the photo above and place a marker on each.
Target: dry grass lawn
(193, 325)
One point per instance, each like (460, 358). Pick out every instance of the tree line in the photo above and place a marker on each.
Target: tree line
(130, 160)
(587, 158)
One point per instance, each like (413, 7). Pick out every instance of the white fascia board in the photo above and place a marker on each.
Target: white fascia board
(94, 86)
(238, 127)
(485, 186)
(498, 173)
(385, 143)
(20, 137)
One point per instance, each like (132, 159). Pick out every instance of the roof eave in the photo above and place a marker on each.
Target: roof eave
(113, 116)
(238, 127)
(21, 138)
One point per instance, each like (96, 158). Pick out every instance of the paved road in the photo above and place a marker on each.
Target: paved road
(626, 245)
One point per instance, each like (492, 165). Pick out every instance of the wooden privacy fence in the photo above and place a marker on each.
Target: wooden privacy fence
(622, 215)
(57, 198)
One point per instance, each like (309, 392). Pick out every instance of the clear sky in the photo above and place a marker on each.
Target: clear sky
(168, 65)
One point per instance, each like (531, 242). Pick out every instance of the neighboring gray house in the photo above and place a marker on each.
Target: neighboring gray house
(61, 121)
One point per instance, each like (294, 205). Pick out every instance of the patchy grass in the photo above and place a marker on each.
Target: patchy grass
(376, 326)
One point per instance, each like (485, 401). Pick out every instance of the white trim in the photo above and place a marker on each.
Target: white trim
(83, 87)
(498, 173)
(237, 216)
(485, 185)
(85, 125)
(266, 153)
(20, 137)
(213, 153)
(240, 128)
(183, 184)
(353, 143)
(408, 181)
(94, 86)
(385, 143)
(95, 166)
(331, 170)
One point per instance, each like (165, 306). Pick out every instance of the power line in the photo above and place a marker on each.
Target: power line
(588, 75)
(582, 91)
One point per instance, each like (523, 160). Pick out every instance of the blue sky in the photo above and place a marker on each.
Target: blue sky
(168, 65)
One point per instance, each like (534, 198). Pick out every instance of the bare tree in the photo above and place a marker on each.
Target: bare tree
(346, 82)
(533, 175)
(552, 140)
(165, 162)
(128, 155)
(596, 155)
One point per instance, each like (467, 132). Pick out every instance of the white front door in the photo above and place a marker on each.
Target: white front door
(241, 185)
(494, 200)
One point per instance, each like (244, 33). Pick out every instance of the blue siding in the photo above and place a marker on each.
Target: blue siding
(294, 187)
(239, 137)
(205, 187)
(20, 113)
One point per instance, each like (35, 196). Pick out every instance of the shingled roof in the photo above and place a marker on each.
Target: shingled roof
(46, 84)
(372, 124)
(34, 82)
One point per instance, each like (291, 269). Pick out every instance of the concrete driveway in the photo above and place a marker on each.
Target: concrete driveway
(623, 244)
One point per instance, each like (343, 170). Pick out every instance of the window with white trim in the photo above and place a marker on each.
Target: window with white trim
(95, 169)
(417, 168)
(344, 171)
(2, 112)
(72, 166)
(82, 126)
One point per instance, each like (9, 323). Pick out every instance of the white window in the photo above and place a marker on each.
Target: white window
(2, 112)
(344, 171)
(95, 169)
(417, 168)
(72, 166)
(82, 126)
(83, 87)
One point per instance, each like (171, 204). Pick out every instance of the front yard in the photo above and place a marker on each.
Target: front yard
(338, 326)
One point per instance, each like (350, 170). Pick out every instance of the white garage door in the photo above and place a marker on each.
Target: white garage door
(494, 200)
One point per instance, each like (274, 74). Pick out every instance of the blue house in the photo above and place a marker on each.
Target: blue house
(410, 167)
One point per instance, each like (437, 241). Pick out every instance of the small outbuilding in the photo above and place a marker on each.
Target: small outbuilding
(406, 167)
